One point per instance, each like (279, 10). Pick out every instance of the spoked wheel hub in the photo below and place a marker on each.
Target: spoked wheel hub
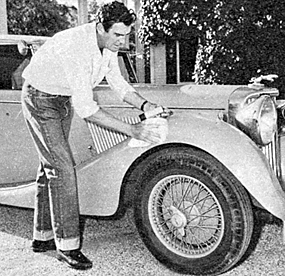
(186, 216)
(178, 220)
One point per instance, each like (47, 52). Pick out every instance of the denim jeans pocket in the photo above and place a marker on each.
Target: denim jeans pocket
(47, 107)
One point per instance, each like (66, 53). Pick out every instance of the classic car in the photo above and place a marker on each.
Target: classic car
(193, 194)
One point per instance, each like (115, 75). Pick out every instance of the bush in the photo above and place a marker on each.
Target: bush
(37, 17)
(238, 39)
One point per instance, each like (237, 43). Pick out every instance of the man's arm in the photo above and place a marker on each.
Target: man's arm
(123, 88)
(136, 100)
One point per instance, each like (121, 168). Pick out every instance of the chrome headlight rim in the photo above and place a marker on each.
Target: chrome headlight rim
(258, 119)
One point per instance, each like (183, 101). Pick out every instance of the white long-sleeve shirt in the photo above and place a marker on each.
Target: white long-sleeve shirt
(71, 63)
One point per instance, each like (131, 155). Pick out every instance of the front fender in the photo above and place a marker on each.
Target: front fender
(236, 152)
(100, 181)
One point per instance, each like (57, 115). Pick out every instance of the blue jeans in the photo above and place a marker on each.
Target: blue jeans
(48, 118)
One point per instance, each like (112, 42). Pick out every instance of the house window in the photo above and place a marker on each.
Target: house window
(180, 60)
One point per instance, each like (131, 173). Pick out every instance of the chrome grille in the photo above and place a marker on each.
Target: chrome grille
(104, 138)
(270, 151)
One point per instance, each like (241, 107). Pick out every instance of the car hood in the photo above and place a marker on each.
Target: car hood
(188, 96)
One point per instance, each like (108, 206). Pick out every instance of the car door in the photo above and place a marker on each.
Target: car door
(17, 153)
(19, 159)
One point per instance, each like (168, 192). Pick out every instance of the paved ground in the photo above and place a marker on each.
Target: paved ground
(116, 249)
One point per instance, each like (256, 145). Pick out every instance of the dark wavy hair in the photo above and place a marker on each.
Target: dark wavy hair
(115, 12)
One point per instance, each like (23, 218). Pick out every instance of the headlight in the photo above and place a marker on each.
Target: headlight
(258, 120)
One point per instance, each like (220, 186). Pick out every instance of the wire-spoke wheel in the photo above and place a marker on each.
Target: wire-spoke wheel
(192, 214)
(186, 216)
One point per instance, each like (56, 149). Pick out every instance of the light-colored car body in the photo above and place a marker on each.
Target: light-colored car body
(195, 122)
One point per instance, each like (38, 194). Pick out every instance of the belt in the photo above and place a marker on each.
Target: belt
(32, 90)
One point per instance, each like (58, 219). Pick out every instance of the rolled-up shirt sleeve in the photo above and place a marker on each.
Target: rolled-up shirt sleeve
(115, 78)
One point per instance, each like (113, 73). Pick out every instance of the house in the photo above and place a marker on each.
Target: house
(174, 61)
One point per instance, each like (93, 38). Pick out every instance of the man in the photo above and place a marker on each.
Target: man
(67, 67)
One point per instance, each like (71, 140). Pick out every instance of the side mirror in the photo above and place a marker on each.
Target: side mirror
(23, 47)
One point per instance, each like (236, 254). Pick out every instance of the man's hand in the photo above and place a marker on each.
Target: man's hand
(134, 99)
(151, 106)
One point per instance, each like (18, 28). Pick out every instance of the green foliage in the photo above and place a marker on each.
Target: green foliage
(92, 10)
(239, 39)
(36, 17)
(163, 19)
(246, 39)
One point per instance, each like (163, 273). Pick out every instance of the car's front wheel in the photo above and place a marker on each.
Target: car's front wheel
(191, 212)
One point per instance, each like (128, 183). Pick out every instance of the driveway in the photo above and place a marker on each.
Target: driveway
(116, 249)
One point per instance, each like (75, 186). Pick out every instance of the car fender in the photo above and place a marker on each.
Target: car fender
(238, 153)
(101, 180)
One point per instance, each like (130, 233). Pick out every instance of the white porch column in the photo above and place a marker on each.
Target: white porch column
(82, 12)
(140, 62)
(3, 17)
(158, 64)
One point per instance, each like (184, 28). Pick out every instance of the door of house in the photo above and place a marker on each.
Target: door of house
(180, 60)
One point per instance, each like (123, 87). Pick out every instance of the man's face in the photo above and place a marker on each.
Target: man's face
(116, 36)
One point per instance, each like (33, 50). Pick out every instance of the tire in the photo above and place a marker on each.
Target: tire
(191, 212)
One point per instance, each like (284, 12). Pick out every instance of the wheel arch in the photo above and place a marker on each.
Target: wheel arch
(132, 170)
(257, 178)
(130, 179)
